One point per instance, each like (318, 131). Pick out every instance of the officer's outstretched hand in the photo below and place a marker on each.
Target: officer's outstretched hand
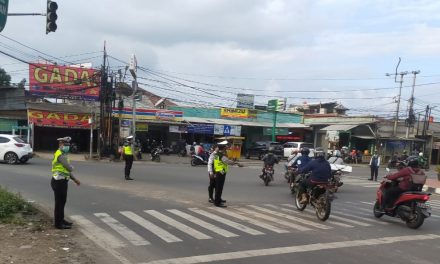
(78, 183)
(239, 165)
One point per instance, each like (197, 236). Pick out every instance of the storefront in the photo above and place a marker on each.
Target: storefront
(51, 121)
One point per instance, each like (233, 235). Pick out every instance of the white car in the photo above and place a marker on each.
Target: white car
(290, 146)
(14, 150)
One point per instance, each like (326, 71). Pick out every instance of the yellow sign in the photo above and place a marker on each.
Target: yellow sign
(238, 113)
(141, 127)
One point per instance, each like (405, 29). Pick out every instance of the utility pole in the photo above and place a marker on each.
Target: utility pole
(133, 69)
(411, 116)
(396, 119)
(102, 101)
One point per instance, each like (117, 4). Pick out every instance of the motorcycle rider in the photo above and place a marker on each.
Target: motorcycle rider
(304, 159)
(270, 159)
(403, 176)
(336, 158)
(321, 173)
(421, 160)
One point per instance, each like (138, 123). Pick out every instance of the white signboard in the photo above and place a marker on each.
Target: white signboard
(245, 101)
(226, 130)
(332, 135)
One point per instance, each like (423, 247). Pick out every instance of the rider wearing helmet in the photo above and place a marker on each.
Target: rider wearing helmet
(270, 159)
(404, 177)
(336, 158)
(304, 159)
(321, 172)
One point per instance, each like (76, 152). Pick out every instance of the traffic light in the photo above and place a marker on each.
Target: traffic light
(51, 16)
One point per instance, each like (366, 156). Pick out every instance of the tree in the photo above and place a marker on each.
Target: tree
(5, 79)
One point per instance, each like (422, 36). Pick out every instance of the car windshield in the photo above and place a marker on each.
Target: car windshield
(307, 145)
(19, 140)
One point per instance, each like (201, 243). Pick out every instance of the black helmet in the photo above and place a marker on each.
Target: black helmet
(271, 149)
(305, 151)
(413, 162)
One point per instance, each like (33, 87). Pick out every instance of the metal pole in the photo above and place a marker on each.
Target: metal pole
(396, 119)
(134, 84)
(26, 14)
(411, 103)
(274, 125)
(91, 136)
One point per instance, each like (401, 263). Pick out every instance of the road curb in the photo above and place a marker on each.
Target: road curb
(432, 189)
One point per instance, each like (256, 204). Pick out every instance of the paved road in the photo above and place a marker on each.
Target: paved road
(163, 217)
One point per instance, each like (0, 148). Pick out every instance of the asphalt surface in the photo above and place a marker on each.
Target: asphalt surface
(163, 216)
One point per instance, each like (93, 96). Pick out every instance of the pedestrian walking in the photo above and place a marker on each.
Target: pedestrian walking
(61, 174)
(128, 156)
(374, 166)
(218, 170)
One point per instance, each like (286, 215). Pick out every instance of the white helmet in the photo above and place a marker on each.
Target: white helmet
(421, 154)
(223, 143)
(130, 137)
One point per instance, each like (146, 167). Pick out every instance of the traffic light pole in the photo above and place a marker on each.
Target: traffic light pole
(274, 125)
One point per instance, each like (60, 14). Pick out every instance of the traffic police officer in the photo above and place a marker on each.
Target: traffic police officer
(128, 155)
(221, 166)
(61, 174)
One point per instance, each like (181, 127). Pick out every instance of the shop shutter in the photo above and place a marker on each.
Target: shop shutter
(7, 124)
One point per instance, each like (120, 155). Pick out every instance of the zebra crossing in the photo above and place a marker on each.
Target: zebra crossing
(362, 182)
(148, 227)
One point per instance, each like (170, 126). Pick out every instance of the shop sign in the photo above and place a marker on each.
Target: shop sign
(125, 123)
(142, 127)
(267, 131)
(245, 101)
(58, 119)
(149, 114)
(201, 129)
(238, 113)
(178, 129)
(75, 83)
(332, 136)
(227, 130)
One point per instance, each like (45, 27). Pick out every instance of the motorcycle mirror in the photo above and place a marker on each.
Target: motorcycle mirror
(387, 169)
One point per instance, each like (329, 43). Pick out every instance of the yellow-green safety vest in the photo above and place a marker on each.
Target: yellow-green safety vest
(219, 165)
(128, 150)
(58, 169)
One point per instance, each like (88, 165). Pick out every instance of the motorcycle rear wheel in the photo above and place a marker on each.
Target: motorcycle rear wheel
(417, 220)
(323, 208)
(193, 162)
(299, 206)
(377, 213)
(266, 180)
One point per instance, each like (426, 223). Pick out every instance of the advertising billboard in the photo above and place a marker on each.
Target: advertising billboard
(238, 113)
(54, 81)
(58, 119)
(245, 101)
(149, 114)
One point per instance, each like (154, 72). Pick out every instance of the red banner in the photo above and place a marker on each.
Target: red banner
(55, 81)
(57, 119)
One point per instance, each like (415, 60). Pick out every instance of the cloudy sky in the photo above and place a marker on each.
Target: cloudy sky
(305, 50)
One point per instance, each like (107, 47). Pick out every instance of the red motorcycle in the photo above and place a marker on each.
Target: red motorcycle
(411, 206)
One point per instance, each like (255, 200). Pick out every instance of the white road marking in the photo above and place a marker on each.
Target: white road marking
(290, 217)
(227, 222)
(203, 224)
(100, 237)
(163, 234)
(273, 219)
(305, 214)
(360, 217)
(182, 227)
(124, 231)
(343, 219)
(227, 257)
(251, 220)
(369, 203)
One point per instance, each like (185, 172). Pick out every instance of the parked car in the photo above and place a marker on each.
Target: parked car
(290, 146)
(260, 148)
(14, 150)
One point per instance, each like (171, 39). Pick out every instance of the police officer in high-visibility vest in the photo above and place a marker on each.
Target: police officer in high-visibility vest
(61, 174)
(128, 155)
(220, 168)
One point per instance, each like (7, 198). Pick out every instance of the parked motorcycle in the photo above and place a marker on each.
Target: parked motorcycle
(267, 176)
(155, 154)
(73, 148)
(411, 206)
(320, 197)
(198, 160)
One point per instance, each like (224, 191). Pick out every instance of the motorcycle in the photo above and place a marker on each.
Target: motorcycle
(337, 171)
(155, 154)
(411, 206)
(73, 148)
(267, 176)
(320, 197)
(198, 160)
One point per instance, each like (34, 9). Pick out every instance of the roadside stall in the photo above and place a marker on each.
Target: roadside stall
(234, 152)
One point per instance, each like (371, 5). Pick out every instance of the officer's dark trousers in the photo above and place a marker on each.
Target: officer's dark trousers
(59, 188)
(128, 165)
(219, 183)
(374, 172)
(211, 187)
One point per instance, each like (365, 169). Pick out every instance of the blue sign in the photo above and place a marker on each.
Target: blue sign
(201, 129)
(227, 130)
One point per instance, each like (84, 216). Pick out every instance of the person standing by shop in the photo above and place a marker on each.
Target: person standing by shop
(61, 174)
(128, 156)
(374, 166)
